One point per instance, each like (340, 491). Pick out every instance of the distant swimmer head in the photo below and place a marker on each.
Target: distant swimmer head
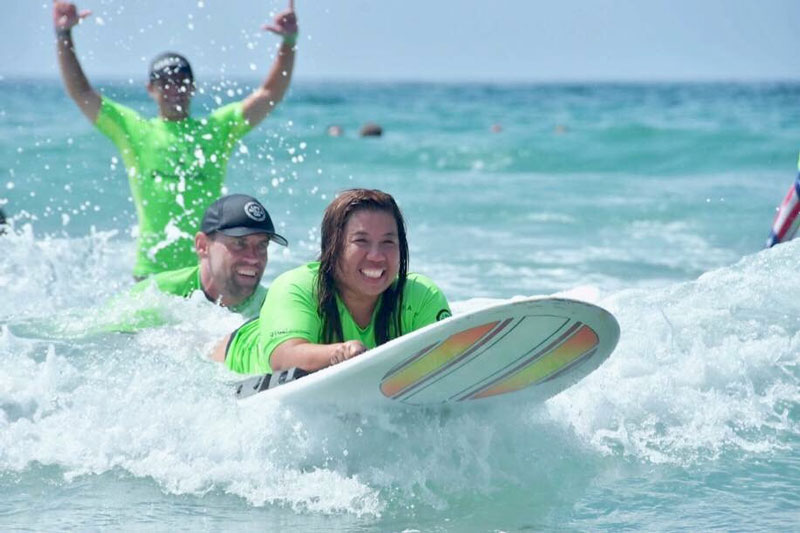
(170, 65)
(237, 215)
(370, 129)
(335, 130)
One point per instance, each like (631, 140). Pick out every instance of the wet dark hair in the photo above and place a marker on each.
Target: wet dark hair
(333, 241)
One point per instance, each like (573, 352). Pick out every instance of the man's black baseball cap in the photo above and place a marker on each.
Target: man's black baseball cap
(237, 215)
(168, 64)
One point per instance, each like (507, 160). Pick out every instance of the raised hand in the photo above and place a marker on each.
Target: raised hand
(65, 15)
(285, 23)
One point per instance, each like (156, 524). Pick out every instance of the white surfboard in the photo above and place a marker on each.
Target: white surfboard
(535, 347)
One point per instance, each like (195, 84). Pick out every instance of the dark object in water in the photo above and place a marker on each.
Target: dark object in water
(370, 129)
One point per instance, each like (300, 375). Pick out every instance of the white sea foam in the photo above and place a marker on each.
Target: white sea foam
(702, 368)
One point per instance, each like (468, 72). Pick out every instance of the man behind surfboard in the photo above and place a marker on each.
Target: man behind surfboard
(357, 296)
(231, 249)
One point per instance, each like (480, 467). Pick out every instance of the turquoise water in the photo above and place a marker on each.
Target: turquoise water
(652, 200)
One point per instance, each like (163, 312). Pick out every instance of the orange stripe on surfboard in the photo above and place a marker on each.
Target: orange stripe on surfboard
(429, 364)
(542, 367)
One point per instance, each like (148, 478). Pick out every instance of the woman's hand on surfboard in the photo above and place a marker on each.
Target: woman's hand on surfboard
(346, 350)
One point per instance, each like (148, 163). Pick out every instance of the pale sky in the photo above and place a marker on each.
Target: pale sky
(416, 40)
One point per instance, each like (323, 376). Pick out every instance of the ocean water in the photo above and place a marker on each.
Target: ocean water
(653, 201)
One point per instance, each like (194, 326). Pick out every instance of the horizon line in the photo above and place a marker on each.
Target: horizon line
(440, 81)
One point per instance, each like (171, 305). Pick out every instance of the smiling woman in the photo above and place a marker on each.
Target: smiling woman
(358, 296)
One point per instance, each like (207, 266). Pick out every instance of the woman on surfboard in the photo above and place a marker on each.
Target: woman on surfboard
(357, 296)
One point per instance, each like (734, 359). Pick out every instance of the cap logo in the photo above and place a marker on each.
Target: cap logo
(170, 62)
(170, 65)
(166, 62)
(255, 211)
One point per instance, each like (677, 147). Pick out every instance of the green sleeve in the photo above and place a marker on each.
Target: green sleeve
(243, 354)
(290, 310)
(135, 310)
(180, 282)
(230, 122)
(116, 122)
(424, 303)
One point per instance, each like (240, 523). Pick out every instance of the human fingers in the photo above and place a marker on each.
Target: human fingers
(282, 22)
(338, 355)
(285, 18)
(291, 6)
(355, 348)
(61, 10)
(63, 15)
(281, 26)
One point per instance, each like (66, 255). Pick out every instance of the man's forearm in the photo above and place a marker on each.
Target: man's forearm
(280, 75)
(72, 74)
(264, 99)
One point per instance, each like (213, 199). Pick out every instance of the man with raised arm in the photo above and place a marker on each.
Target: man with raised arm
(175, 163)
